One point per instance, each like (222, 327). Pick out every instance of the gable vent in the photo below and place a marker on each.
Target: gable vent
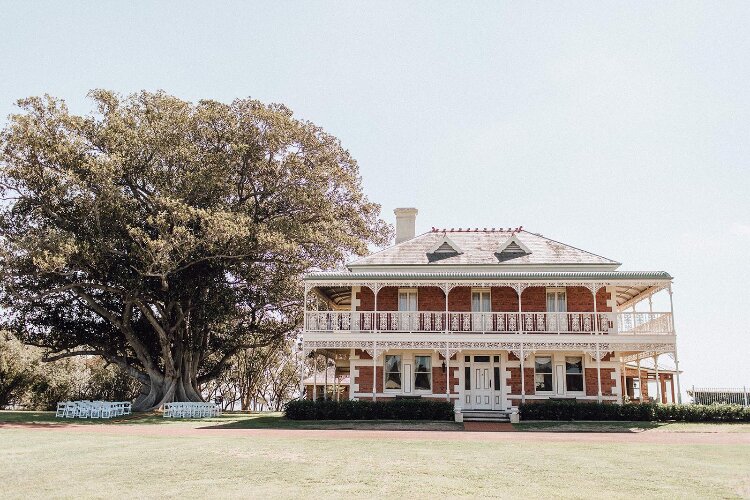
(513, 247)
(445, 248)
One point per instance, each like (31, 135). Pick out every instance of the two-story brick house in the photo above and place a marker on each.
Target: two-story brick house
(487, 318)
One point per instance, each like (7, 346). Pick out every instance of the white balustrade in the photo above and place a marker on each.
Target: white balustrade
(623, 323)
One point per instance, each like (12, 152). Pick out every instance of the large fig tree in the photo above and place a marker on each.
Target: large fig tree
(166, 236)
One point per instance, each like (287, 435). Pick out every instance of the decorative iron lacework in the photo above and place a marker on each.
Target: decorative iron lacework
(602, 347)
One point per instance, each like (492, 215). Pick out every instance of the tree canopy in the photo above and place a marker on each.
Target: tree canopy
(166, 236)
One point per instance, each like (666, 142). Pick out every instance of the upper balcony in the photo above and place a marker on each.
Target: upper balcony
(607, 323)
(439, 305)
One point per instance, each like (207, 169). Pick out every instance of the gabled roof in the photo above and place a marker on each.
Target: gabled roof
(482, 247)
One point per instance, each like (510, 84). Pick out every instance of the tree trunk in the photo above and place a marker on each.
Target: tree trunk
(161, 390)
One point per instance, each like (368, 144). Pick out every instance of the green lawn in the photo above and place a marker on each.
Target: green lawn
(96, 462)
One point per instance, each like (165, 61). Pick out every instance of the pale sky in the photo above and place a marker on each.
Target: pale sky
(623, 129)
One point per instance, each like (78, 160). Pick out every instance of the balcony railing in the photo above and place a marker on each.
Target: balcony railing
(623, 323)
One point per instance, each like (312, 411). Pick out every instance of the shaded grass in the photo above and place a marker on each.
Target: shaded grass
(238, 420)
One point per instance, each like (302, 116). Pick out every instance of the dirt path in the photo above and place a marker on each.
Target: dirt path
(646, 437)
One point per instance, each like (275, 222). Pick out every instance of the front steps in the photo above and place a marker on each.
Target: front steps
(485, 415)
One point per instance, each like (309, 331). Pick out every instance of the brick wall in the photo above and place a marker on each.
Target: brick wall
(430, 298)
(580, 299)
(364, 379)
(438, 380)
(387, 299)
(607, 382)
(534, 299)
(503, 299)
(459, 300)
(515, 380)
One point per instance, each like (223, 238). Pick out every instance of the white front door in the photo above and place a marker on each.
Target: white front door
(481, 386)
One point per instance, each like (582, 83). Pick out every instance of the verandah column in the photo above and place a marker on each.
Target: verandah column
(374, 370)
(658, 382)
(315, 376)
(598, 353)
(325, 380)
(640, 381)
(447, 373)
(375, 289)
(520, 287)
(676, 360)
(598, 373)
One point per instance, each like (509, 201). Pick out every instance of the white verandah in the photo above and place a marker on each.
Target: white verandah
(621, 335)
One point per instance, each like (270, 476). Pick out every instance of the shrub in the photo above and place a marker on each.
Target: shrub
(396, 409)
(644, 412)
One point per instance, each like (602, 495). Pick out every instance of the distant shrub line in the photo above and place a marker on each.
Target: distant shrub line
(644, 412)
(395, 409)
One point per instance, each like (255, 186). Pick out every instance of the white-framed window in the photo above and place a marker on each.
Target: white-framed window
(392, 371)
(574, 374)
(556, 300)
(423, 373)
(543, 373)
(407, 299)
(480, 300)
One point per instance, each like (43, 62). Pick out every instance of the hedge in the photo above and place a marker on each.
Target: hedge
(645, 412)
(395, 409)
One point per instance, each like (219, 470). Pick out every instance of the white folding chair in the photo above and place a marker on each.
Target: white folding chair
(61, 409)
(106, 410)
(95, 410)
(71, 409)
(127, 407)
(83, 410)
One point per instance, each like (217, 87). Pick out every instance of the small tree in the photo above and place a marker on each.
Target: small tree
(17, 371)
(166, 236)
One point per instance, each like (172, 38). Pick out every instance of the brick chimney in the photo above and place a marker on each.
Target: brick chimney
(405, 220)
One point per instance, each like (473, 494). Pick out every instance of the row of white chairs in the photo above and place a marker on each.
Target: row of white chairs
(184, 409)
(93, 409)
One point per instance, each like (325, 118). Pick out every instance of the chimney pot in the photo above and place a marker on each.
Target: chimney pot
(405, 223)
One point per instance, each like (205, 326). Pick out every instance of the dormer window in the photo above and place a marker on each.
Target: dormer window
(511, 249)
(444, 249)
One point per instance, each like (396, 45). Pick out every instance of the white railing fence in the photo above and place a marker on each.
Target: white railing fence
(625, 323)
(722, 395)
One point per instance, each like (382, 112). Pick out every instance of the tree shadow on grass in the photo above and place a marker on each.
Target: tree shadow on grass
(588, 427)
(281, 422)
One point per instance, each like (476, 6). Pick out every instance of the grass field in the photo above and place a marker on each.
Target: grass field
(272, 457)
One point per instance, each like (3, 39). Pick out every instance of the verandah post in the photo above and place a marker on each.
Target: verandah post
(658, 382)
(376, 289)
(519, 291)
(325, 380)
(676, 359)
(523, 384)
(598, 373)
(640, 381)
(315, 376)
(374, 370)
(447, 373)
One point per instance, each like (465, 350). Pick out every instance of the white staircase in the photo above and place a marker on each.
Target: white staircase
(486, 415)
